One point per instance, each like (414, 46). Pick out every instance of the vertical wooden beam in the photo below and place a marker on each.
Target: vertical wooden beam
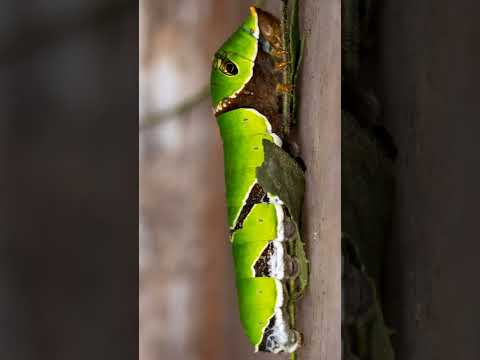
(319, 314)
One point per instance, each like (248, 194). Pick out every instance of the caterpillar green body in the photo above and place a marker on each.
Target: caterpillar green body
(244, 98)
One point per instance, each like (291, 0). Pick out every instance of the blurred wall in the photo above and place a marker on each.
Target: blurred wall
(429, 62)
(64, 182)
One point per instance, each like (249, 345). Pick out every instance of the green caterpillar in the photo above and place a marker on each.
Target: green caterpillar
(263, 212)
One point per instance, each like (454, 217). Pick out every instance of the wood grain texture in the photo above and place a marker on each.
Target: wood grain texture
(319, 316)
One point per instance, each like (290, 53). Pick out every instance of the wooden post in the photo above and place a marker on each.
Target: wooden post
(319, 316)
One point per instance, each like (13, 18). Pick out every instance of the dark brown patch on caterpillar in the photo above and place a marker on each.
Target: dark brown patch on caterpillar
(270, 30)
(268, 331)
(256, 195)
(261, 266)
(260, 93)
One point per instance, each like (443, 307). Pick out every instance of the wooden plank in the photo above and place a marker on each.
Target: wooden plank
(319, 315)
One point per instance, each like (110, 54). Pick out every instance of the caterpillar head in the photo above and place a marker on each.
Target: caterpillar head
(233, 63)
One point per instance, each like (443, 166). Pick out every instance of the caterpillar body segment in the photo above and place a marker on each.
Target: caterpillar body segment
(258, 231)
(262, 313)
(257, 246)
(259, 256)
(242, 131)
(242, 71)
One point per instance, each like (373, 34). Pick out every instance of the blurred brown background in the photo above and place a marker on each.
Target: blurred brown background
(429, 68)
(187, 297)
(68, 179)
